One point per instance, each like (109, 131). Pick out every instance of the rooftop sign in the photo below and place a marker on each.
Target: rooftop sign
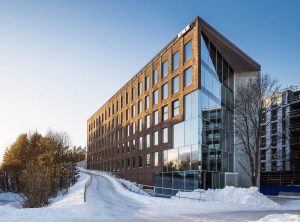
(184, 31)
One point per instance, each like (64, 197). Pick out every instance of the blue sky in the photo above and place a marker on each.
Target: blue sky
(61, 60)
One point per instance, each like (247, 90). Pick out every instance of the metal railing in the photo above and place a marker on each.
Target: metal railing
(86, 186)
(154, 191)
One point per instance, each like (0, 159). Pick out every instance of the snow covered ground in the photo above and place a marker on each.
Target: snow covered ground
(108, 200)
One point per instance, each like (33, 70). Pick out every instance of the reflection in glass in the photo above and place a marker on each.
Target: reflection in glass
(178, 134)
(184, 158)
(173, 160)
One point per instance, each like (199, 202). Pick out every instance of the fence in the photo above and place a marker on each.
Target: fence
(86, 186)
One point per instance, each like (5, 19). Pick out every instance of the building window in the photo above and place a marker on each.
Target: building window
(175, 60)
(165, 135)
(187, 75)
(140, 106)
(148, 159)
(175, 84)
(164, 71)
(155, 76)
(134, 162)
(147, 119)
(140, 143)
(147, 83)
(132, 93)
(133, 144)
(155, 138)
(128, 130)
(156, 159)
(140, 161)
(164, 91)
(127, 147)
(187, 51)
(140, 88)
(155, 97)
(126, 98)
(133, 111)
(148, 141)
(140, 124)
(165, 113)
(126, 114)
(175, 108)
(128, 163)
(146, 102)
(155, 117)
(133, 128)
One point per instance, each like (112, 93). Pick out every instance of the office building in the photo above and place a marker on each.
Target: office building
(171, 125)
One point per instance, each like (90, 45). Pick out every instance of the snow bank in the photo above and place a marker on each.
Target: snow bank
(241, 196)
(75, 195)
(280, 218)
(9, 197)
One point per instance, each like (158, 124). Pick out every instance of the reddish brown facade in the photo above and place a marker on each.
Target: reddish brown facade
(111, 145)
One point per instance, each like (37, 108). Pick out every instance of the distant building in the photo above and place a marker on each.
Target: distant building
(280, 143)
(171, 125)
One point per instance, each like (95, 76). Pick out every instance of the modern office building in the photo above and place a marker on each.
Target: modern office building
(280, 142)
(171, 125)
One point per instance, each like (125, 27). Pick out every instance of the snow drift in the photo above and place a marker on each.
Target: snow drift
(280, 218)
(242, 196)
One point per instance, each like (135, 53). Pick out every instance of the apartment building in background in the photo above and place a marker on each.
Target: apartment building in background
(171, 125)
(280, 143)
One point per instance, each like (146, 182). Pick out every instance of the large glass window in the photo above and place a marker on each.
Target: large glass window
(165, 113)
(155, 138)
(155, 76)
(147, 119)
(164, 71)
(165, 135)
(187, 50)
(175, 108)
(165, 91)
(184, 158)
(173, 160)
(178, 134)
(175, 60)
(146, 102)
(175, 84)
(155, 117)
(191, 132)
(155, 97)
(187, 75)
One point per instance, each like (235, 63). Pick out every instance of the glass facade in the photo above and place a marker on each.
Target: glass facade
(203, 142)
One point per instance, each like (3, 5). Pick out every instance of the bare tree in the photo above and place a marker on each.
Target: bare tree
(250, 102)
